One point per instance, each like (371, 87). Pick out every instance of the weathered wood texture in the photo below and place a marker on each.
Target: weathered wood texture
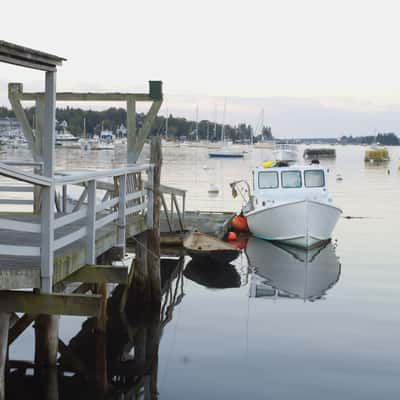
(46, 340)
(59, 304)
(99, 274)
(4, 325)
(154, 234)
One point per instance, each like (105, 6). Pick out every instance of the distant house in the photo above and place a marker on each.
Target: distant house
(121, 131)
(61, 127)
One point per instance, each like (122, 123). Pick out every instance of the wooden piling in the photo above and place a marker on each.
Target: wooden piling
(153, 261)
(101, 351)
(4, 326)
(46, 350)
(46, 340)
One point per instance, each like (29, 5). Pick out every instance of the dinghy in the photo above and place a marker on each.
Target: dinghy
(199, 244)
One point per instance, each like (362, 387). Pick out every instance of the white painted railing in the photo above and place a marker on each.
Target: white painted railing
(103, 201)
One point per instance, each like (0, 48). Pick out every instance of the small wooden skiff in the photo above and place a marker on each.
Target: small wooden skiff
(199, 244)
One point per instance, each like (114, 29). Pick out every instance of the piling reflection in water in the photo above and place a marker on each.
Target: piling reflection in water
(282, 271)
(118, 362)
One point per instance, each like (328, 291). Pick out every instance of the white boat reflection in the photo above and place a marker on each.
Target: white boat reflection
(283, 271)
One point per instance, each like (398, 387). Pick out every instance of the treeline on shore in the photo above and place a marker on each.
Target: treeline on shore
(178, 127)
(387, 139)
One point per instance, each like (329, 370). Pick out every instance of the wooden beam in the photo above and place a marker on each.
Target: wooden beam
(60, 304)
(20, 327)
(144, 131)
(20, 175)
(99, 274)
(88, 96)
(14, 94)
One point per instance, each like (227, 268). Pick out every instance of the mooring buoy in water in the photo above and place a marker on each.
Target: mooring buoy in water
(213, 189)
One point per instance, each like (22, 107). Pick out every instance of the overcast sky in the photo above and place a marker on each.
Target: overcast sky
(318, 68)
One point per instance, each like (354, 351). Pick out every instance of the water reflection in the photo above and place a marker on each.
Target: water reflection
(117, 360)
(282, 271)
(212, 274)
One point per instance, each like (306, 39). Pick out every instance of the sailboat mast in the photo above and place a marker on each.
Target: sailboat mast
(84, 127)
(215, 122)
(197, 123)
(223, 123)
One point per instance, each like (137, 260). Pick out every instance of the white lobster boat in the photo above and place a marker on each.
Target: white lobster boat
(291, 204)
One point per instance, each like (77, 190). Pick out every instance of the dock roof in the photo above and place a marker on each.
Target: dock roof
(25, 57)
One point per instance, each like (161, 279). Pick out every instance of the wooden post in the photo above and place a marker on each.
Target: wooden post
(131, 125)
(46, 340)
(154, 234)
(121, 241)
(136, 296)
(4, 326)
(101, 350)
(47, 213)
(91, 224)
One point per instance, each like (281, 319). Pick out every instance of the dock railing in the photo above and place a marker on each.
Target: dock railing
(174, 194)
(103, 200)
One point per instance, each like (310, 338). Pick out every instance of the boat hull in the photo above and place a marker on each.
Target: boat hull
(225, 155)
(304, 223)
(285, 155)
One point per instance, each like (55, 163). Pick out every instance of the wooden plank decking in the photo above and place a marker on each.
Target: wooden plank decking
(17, 272)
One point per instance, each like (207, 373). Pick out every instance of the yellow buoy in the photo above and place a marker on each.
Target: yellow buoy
(268, 164)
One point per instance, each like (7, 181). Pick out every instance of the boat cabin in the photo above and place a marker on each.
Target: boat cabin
(279, 184)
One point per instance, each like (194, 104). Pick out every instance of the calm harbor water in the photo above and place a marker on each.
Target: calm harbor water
(278, 324)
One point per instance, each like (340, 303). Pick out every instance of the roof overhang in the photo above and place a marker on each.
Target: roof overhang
(11, 53)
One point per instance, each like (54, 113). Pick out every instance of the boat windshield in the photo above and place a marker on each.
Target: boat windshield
(291, 179)
(268, 180)
(314, 178)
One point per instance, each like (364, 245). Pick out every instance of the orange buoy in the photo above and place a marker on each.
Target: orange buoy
(232, 236)
(239, 223)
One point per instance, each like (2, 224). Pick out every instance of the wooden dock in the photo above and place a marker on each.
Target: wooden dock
(54, 244)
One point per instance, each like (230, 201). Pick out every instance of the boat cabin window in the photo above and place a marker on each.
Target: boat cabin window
(291, 179)
(315, 178)
(268, 180)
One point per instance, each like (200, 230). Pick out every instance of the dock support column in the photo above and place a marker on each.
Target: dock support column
(4, 326)
(101, 343)
(121, 241)
(154, 233)
(46, 350)
(47, 209)
(46, 340)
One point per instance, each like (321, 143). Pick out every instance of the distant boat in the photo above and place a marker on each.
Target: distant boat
(285, 152)
(317, 153)
(65, 138)
(376, 154)
(225, 151)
